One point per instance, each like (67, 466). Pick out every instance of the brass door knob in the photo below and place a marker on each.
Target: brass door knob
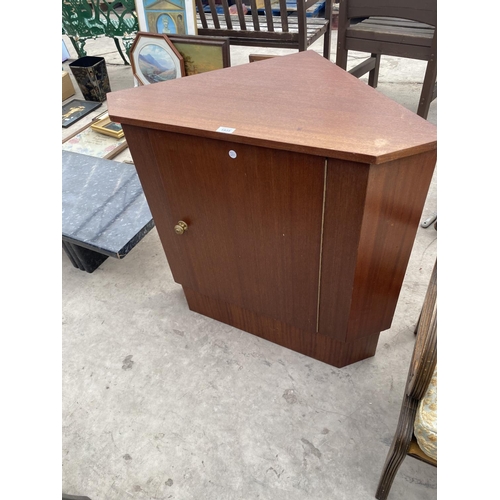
(181, 227)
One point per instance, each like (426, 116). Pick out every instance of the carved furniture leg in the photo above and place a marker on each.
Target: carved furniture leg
(399, 447)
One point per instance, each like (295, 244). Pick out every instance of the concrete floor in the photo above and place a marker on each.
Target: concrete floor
(160, 402)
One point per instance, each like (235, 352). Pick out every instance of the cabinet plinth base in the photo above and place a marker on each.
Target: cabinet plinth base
(312, 344)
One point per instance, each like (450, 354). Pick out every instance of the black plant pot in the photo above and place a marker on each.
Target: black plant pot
(92, 77)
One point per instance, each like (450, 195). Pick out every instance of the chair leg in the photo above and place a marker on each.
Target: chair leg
(78, 46)
(341, 56)
(341, 60)
(127, 41)
(427, 95)
(418, 323)
(399, 447)
(117, 43)
(327, 37)
(373, 75)
(327, 42)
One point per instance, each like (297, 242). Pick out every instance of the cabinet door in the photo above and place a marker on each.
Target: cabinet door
(254, 219)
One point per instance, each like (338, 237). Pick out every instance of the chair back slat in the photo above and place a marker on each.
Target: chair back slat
(215, 17)
(201, 12)
(269, 15)
(227, 16)
(302, 24)
(264, 25)
(241, 14)
(424, 11)
(284, 16)
(255, 15)
(309, 3)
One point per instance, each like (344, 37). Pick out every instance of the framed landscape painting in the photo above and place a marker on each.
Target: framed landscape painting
(154, 59)
(202, 53)
(167, 16)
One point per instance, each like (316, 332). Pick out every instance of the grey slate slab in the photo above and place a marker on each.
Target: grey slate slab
(103, 205)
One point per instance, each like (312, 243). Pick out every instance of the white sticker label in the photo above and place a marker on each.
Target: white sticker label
(226, 130)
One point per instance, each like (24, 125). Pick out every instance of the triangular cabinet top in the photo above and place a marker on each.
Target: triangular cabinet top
(299, 102)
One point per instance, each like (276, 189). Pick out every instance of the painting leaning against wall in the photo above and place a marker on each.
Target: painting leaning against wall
(167, 16)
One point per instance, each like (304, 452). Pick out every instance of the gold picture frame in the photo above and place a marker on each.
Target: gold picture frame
(92, 143)
(108, 127)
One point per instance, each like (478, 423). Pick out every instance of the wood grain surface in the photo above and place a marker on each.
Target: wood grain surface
(301, 220)
(315, 345)
(299, 102)
(254, 221)
(372, 214)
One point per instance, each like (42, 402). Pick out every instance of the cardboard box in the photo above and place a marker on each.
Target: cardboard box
(67, 86)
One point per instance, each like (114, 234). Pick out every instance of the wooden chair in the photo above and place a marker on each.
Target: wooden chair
(276, 28)
(422, 366)
(402, 28)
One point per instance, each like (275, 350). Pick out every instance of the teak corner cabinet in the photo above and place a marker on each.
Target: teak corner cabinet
(287, 195)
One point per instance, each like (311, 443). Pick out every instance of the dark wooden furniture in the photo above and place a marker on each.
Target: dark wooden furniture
(254, 30)
(104, 210)
(295, 233)
(422, 367)
(402, 28)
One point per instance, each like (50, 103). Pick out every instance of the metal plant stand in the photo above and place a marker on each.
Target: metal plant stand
(88, 19)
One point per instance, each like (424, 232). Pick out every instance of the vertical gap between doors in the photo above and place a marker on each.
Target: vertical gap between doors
(321, 243)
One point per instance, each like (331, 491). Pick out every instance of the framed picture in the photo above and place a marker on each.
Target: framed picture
(105, 126)
(76, 109)
(154, 59)
(89, 142)
(202, 53)
(167, 16)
